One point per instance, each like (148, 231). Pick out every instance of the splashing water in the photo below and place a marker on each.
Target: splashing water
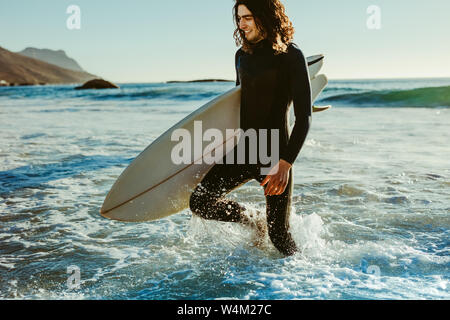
(369, 208)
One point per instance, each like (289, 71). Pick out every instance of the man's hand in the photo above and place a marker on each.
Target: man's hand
(277, 179)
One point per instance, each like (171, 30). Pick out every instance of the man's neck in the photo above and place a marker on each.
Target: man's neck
(257, 41)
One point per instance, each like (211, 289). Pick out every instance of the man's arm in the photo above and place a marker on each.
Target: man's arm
(300, 88)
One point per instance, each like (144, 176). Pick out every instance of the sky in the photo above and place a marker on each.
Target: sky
(153, 41)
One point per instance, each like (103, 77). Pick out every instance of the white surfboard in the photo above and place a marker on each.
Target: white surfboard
(315, 63)
(153, 186)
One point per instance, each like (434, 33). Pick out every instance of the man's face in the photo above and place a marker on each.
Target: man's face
(248, 25)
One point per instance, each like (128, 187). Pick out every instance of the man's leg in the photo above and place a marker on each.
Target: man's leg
(208, 199)
(278, 212)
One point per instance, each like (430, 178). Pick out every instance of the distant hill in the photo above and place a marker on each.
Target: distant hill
(56, 57)
(21, 70)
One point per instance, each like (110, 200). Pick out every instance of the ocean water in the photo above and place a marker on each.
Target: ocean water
(370, 208)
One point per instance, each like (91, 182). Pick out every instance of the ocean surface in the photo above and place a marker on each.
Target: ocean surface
(370, 207)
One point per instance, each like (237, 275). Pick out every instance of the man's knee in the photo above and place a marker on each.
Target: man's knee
(201, 202)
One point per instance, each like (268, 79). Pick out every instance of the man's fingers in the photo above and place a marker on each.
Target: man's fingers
(274, 187)
(277, 190)
(281, 187)
(266, 179)
(275, 184)
(269, 188)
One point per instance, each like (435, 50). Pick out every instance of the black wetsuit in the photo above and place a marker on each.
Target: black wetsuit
(269, 83)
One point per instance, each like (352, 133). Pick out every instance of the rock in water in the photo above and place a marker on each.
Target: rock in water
(97, 84)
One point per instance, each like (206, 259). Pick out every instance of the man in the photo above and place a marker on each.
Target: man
(272, 73)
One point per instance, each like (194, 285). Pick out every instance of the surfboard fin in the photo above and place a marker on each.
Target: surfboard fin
(320, 108)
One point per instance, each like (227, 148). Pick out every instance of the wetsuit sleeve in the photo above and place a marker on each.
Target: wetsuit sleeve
(300, 89)
(236, 64)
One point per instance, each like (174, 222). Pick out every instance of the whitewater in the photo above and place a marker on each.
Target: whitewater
(370, 207)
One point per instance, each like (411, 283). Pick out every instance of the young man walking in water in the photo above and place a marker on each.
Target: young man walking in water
(272, 73)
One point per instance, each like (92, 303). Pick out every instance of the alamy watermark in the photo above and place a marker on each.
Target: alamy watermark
(370, 269)
(374, 19)
(190, 149)
(73, 22)
(73, 281)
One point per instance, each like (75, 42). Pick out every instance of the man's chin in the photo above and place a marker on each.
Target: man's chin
(254, 41)
(249, 38)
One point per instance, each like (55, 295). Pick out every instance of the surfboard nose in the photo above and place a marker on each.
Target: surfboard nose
(315, 59)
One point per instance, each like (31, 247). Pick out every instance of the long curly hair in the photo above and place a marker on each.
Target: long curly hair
(270, 19)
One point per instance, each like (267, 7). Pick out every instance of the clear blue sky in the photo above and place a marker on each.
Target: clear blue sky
(151, 41)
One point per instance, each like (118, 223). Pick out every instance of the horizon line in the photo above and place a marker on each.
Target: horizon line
(331, 79)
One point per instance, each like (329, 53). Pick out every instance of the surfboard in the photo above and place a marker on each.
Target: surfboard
(153, 186)
(315, 64)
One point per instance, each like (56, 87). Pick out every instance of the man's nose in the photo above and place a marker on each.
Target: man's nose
(242, 24)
